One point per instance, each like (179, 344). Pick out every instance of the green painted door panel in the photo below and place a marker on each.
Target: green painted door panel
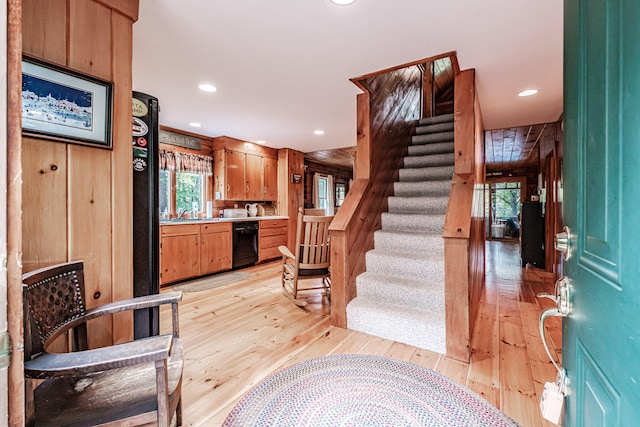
(601, 165)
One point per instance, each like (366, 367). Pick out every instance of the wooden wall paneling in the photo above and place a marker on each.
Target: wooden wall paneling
(128, 8)
(122, 176)
(464, 130)
(44, 32)
(290, 195)
(44, 231)
(90, 38)
(90, 230)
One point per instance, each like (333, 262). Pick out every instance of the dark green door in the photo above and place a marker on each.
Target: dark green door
(601, 170)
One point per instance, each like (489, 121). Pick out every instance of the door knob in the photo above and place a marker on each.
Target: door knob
(562, 242)
(562, 309)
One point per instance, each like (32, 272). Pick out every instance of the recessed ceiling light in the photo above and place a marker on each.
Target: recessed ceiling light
(528, 92)
(343, 2)
(207, 87)
(318, 132)
(195, 124)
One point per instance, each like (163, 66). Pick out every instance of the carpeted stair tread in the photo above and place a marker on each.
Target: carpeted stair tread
(439, 159)
(426, 174)
(432, 137)
(422, 188)
(433, 148)
(426, 205)
(407, 291)
(425, 223)
(436, 119)
(408, 242)
(406, 264)
(400, 296)
(434, 128)
(414, 326)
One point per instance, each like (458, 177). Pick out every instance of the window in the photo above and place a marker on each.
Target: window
(182, 186)
(189, 191)
(164, 195)
(341, 192)
(323, 184)
(502, 209)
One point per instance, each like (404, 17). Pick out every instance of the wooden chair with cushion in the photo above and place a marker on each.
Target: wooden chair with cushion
(311, 259)
(134, 383)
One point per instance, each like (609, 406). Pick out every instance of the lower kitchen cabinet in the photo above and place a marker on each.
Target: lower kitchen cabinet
(179, 252)
(272, 234)
(216, 247)
(192, 250)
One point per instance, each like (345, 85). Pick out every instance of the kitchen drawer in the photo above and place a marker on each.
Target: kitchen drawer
(274, 223)
(271, 241)
(269, 253)
(179, 230)
(264, 232)
(215, 228)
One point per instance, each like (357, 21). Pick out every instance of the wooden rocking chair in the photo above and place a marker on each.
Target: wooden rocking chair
(311, 259)
(134, 383)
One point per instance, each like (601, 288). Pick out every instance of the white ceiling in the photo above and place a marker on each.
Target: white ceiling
(282, 67)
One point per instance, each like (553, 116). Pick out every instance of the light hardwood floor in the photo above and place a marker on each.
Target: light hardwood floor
(237, 334)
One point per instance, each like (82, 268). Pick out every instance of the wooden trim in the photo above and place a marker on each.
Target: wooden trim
(234, 144)
(16, 392)
(457, 298)
(464, 127)
(356, 80)
(128, 8)
(457, 223)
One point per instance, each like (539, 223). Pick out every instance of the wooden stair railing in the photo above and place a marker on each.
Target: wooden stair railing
(463, 230)
(381, 146)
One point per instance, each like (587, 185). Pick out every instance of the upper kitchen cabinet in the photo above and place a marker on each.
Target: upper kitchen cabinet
(244, 171)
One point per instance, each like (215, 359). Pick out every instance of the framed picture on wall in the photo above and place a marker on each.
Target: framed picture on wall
(65, 105)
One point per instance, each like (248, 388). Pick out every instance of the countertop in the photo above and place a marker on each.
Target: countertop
(207, 220)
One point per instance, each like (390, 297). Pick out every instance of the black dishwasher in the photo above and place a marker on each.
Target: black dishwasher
(245, 244)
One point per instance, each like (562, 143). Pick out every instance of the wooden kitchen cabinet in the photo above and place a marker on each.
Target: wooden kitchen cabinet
(253, 173)
(272, 233)
(179, 252)
(244, 171)
(216, 247)
(192, 250)
(234, 169)
(270, 178)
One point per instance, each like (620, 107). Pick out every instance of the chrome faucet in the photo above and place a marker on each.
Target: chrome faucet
(181, 212)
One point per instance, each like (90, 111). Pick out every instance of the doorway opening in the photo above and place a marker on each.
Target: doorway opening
(503, 203)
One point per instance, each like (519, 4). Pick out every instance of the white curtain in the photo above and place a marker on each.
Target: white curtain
(331, 196)
(315, 193)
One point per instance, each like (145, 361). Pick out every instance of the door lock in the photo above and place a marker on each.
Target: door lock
(562, 242)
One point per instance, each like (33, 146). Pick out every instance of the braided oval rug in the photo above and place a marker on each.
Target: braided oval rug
(362, 390)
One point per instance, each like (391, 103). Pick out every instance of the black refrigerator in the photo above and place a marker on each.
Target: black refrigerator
(532, 234)
(146, 215)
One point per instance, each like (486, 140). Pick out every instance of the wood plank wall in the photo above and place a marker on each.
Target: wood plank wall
(387, 113)
(77, 200)
(290, 195)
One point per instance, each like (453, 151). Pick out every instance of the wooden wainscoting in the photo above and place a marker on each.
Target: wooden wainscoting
(236, 335)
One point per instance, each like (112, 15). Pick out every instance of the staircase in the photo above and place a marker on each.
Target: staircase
(400, 296)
